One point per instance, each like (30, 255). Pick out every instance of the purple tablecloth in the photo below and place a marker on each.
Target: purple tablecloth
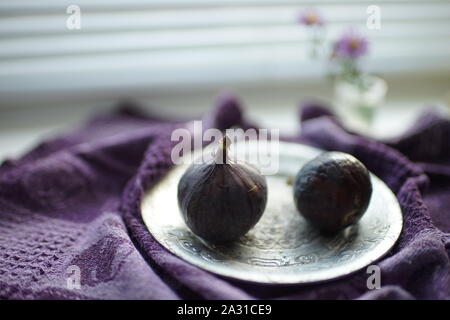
(74, 201)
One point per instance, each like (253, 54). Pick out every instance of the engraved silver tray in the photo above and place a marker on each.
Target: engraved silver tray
(282, 248)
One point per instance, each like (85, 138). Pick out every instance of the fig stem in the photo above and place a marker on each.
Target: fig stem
(224, 143)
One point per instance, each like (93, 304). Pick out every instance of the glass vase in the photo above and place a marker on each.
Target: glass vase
(357, 104)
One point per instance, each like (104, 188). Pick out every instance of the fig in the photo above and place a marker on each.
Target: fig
(222, 199)
(332, 191)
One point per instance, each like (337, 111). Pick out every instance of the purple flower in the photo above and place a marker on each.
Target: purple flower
(351, 45)
(310, 17)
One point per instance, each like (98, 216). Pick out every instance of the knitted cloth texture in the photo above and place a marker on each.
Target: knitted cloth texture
(74, 201)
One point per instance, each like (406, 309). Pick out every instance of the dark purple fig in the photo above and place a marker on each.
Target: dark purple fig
(221, 200)
(332, 191)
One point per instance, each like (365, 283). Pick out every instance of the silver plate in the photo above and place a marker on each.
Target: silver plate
(282, 248)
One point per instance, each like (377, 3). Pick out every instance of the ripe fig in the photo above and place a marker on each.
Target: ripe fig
(221, 200)
(332, 191)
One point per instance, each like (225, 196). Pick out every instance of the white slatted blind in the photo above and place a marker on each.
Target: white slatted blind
(152, 44)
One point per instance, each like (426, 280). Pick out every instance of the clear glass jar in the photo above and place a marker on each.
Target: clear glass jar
(356, 104)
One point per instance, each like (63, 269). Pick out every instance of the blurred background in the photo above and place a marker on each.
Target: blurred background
(175, 56)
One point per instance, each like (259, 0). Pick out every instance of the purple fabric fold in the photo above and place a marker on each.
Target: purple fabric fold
(74, 201)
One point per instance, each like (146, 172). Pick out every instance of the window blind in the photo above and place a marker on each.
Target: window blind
(154, 44)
